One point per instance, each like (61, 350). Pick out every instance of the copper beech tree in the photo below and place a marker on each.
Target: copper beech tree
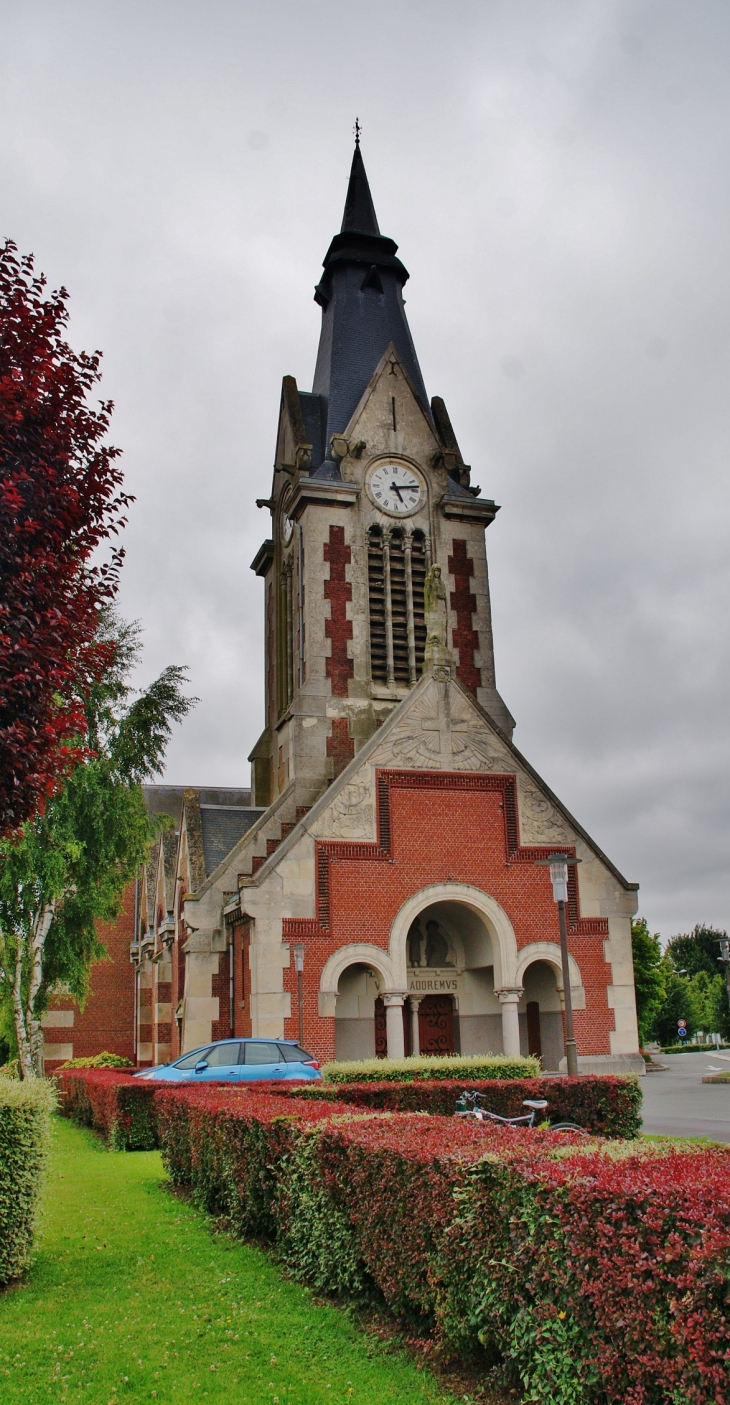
(60, 500)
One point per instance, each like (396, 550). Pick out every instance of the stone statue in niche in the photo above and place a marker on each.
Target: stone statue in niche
(437, 946)
(434, 606)
(415, 945)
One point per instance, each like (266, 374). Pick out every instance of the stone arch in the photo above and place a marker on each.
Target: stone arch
(356, 954)
(504, 942)
(550, 952)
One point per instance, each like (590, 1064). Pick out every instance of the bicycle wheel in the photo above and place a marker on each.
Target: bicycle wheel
(568, 1127)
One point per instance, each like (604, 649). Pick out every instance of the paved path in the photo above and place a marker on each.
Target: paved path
(678, 1104)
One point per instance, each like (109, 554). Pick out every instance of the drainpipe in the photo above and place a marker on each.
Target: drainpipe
(231, 1013)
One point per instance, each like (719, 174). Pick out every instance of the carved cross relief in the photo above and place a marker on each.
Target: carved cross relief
(441, 731)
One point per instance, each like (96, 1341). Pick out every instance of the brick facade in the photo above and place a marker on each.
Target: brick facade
(464, 604)
(107, 1018)
(338, 629)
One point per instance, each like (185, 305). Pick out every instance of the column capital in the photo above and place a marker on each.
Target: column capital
(394, 997)
(509, 995)
(415, 1001)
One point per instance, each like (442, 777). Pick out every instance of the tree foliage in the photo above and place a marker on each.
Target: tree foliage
(68, 867)
(698, 950)
(60, 499)
(685, 982)
(649, 976)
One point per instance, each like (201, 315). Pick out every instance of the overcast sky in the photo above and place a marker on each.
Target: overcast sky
(556, 175)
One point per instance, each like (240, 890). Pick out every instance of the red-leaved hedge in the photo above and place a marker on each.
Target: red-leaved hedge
(610, 1107)
(113, 1103)
(601, 1273)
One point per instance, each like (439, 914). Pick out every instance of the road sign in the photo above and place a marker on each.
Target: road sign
(681, 1024)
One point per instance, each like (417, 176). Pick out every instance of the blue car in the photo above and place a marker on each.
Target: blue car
(238, 1061)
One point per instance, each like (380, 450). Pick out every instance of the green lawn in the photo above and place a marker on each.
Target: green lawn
(132, 1298)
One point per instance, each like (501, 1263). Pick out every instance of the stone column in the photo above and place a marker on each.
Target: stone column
(388, 608)
(408, 550)
(415, 1033)
(393, 1002)
(509, 998)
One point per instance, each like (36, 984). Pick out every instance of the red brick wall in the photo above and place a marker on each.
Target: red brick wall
(220, 986)
(107, 1019)
(338, 628)
(340, 745)
(465, 639)
(241, 980)
(441, 828)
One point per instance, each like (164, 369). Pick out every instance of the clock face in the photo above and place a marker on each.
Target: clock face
(395, 488)
(287, 529)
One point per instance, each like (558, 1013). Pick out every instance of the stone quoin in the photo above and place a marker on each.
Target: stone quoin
(392, 827)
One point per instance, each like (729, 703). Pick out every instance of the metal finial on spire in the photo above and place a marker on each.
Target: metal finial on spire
(357, 130)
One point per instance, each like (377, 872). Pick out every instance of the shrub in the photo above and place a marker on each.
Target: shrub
(25, 1110)
(226, 1145)
(113, 1103)
(105, 1060)
(478, 1066)
(608, 1106)
(599, 1271)
(688, 1048)
(602, 1280)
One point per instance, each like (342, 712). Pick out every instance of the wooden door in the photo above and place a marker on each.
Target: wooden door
(436, 1024)
(381, 1035)
(534, 1044)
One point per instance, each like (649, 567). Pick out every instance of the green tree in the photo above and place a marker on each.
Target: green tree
(649, 976)
(697, 950)
(695, 954)
(70, 865)
(681, 1002)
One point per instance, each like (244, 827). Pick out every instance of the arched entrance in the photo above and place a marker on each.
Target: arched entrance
(451, 1000)
(359, 1014)
(540, 1014)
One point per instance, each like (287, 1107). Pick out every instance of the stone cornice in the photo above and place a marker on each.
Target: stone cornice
(312, 490)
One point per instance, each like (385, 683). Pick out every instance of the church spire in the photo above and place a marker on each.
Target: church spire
(361, 296)
(359, 216)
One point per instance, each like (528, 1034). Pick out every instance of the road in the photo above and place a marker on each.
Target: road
(678, 1104)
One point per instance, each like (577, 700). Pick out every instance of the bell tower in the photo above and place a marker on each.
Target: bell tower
(370, 492)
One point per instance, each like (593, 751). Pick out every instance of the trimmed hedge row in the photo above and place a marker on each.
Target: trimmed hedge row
(600, 1273)
(608, 1106)
(104, 1060)
(112, 1102)
(25, 1110)
(121, 1107)
(468, 1068)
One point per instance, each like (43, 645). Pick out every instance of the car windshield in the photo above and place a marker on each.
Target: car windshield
(293, 1054)
(260, 1053)
(190, 1060)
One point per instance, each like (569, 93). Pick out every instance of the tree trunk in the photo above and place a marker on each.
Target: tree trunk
(32, 1022)
(25, 1064)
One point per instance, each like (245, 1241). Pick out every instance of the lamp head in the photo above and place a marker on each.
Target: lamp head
(299, 956)
(558, 865)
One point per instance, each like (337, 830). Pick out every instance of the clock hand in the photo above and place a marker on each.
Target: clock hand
(394, 488)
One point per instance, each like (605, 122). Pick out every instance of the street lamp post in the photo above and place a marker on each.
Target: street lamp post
(558, 865)
(299, 965)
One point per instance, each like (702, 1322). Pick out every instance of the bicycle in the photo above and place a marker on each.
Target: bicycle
(470, 1104)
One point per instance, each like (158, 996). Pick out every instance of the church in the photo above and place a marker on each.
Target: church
(379, 890)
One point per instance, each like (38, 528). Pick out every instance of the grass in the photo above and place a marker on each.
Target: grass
(131, 1298)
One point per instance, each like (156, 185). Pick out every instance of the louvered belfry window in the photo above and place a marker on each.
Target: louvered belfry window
(396, 574)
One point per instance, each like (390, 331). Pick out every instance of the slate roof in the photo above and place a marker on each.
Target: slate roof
(361, 296)
(223, 825)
